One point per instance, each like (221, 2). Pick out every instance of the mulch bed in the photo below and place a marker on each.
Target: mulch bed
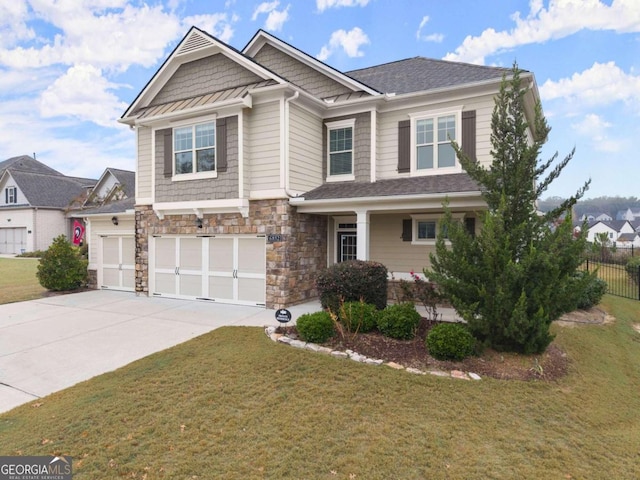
(549, 366)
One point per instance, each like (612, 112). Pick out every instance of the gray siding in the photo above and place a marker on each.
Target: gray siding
(264, 150)
(361, 146)
(299, 74)
(223, 187)
(203, 76)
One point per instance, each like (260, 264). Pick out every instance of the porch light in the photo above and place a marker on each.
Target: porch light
(114, 220)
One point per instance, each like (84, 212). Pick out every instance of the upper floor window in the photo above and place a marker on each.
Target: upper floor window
(431, 136)
(194, 148)
(340, 150)
(11, 195)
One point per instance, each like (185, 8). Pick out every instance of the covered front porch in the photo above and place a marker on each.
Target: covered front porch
(394, 222)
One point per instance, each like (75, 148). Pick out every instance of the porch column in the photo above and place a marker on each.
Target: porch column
(362, 244)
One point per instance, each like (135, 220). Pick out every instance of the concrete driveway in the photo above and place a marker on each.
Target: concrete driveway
(52, 343)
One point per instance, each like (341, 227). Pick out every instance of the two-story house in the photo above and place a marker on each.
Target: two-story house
(34, 202)
(258, 168)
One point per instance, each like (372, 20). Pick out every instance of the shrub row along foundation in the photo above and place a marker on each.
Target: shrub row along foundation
(270, 331)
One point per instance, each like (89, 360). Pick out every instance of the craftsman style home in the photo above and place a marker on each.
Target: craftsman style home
(258, 168)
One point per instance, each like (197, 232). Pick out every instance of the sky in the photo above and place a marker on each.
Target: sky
(70, 68)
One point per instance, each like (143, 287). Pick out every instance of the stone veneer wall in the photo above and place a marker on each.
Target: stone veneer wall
(92, 279)
(291, 264)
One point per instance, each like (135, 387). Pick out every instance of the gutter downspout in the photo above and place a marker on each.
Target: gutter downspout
(286, 141)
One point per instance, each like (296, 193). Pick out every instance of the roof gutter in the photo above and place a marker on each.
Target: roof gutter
(287, 173)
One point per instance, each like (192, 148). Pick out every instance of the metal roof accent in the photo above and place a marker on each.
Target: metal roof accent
(201, 100)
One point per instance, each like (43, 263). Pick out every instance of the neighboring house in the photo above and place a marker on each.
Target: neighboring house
(592, 217)
(628, 214)
(256, 169)
(33, 204)
(109, 216)
(627, 240)
(613, 229)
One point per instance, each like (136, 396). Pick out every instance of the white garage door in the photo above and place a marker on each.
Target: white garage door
(13, 240)
(225, 268)
(117, 263)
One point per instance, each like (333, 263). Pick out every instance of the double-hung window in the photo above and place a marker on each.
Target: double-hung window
(426, 227)
(432, 136)
(340, 150)
(10, 195)
(194, 148)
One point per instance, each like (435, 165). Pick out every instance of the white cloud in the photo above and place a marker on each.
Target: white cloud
(99, 32)
(322, 5)
(350, 42)
(217, 24)
(275, 18)
(595, 128)
(13, 23)
(602, 84)
(85, 94)
(433, 37)
(560, 19)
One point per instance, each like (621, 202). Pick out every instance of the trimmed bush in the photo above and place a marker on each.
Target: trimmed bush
(358, 316)
(399, 321)
(62, 267)
(353, 281)
(315, 327)
(592, 292)
(632, 267)
(450, 341)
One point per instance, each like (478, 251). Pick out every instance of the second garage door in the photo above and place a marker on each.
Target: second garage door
(225, 268)
(13, 240)
(117, 263)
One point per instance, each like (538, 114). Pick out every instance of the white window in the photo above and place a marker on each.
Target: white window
(426, 228)
(11, 195)
(340, 150)
(431, 142)
(194, 149)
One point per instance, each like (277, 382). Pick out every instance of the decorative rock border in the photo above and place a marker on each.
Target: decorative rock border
(270, 331)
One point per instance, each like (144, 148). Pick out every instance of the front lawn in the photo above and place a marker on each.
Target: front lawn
(233, 404)
(18, 280)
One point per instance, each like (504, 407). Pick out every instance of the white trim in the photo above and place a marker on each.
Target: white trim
(347, 123)
(181, 177)
(431, 217)
(270, 194)
(241, 154)
(434, 115)
(283, 141)
(262, 38)
(374, 144)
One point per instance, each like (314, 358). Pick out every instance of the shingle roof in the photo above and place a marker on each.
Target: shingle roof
(451, 183)
(25, 163)
(126, 179)
(118, 206)
(43, 190)
(627, 237)
(419, 74)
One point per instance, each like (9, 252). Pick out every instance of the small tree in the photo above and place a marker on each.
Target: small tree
(62, 267)
(509, 282)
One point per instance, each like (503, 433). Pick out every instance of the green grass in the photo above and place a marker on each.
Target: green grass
(18, 280)
(233, 405)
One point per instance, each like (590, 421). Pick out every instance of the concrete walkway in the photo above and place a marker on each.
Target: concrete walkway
(52, 343)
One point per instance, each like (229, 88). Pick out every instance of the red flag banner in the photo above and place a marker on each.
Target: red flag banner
(78, 232)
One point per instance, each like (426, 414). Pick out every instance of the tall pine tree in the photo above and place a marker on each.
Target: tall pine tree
(518, 274)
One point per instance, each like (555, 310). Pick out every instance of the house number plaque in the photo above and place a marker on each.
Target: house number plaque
(275, 237)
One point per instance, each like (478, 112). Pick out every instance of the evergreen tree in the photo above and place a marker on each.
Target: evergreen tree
(518, 275)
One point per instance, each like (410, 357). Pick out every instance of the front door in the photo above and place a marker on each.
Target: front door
(347, 246)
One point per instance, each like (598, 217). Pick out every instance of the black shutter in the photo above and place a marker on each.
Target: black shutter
(404, 146)
(6, 195)
(407, 230)
(221, 145)
(469, 134)
(168, 150)
(470, 225)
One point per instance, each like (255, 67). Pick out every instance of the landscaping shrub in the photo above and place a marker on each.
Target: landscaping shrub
(353, 281)
(62, 267)
(358, 316)
(632, 267)
(592, 291)
(450, 341)
(399, 321)
(315, 327)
